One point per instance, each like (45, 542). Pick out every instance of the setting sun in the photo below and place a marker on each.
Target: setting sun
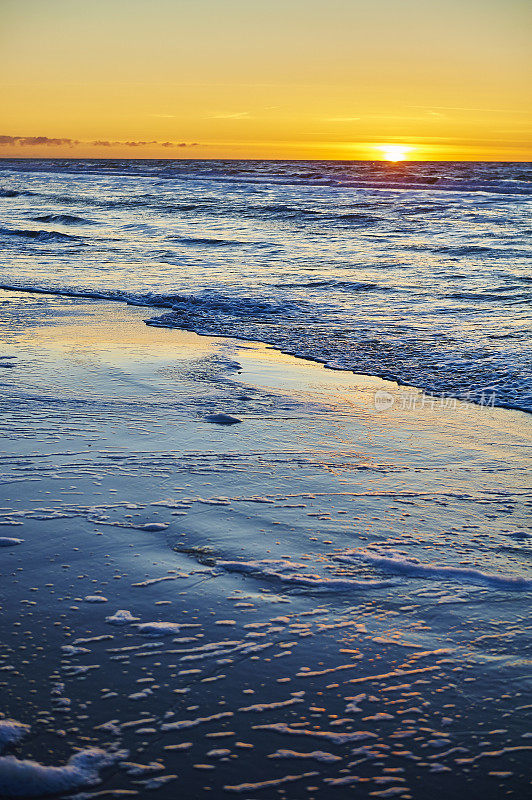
(394, 152)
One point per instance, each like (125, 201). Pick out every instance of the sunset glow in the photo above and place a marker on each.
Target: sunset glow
(394, 152)
(305, 79)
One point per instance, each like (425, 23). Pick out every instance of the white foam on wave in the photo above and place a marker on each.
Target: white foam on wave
(152, 527)
(290, 572)
(153, 581)
(315, 755)
(121, 617)
(192, 723)
(331, 736)
(158, 628)
(11, 732)
(259, 707)
(23, 778)
(242, 788)
(402, 565)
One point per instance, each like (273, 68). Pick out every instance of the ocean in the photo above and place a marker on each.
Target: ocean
(331, 594)
(416, 272)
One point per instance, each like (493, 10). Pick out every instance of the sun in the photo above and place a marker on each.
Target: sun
(394, 152)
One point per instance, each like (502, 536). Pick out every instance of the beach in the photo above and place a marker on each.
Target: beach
(326, 598)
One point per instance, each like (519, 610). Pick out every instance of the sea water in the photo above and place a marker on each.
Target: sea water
(414, 271)
(325, 598)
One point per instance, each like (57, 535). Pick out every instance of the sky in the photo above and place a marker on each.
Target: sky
(305, 79)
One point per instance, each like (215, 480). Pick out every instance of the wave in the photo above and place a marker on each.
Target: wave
(504, 178)
(490, 296)
(285, 211)
(352, 286)
(479, 250)
(295, 575)
(401, 565)
(40, 236)
(204, 242)
(464, 250)
(239, 306)
(357, 217)
(63, 219)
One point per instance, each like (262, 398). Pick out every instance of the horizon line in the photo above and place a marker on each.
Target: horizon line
(206, 158)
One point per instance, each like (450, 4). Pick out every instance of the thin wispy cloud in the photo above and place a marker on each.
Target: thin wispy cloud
(231, 115)
(388, 116)
(342, 119)
(475, 110)
(32, 141)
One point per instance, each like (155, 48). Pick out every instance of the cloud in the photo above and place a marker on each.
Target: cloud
(487, 110)
(176, 144)
(234, 115)
(342, 119)
(32, 141)
(106, 143)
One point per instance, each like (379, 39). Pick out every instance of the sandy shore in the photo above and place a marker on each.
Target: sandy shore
(327, 598)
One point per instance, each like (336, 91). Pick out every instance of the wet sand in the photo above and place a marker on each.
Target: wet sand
(327, 598)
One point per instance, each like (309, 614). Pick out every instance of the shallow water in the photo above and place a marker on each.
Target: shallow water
(416, 271)
(324, 598)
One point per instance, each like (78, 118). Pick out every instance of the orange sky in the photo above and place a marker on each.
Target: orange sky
(253, 79)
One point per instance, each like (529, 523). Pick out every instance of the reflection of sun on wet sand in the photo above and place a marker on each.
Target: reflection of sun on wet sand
(184, 603)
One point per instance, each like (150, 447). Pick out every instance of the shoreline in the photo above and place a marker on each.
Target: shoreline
(249, 556)
(487, 397)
